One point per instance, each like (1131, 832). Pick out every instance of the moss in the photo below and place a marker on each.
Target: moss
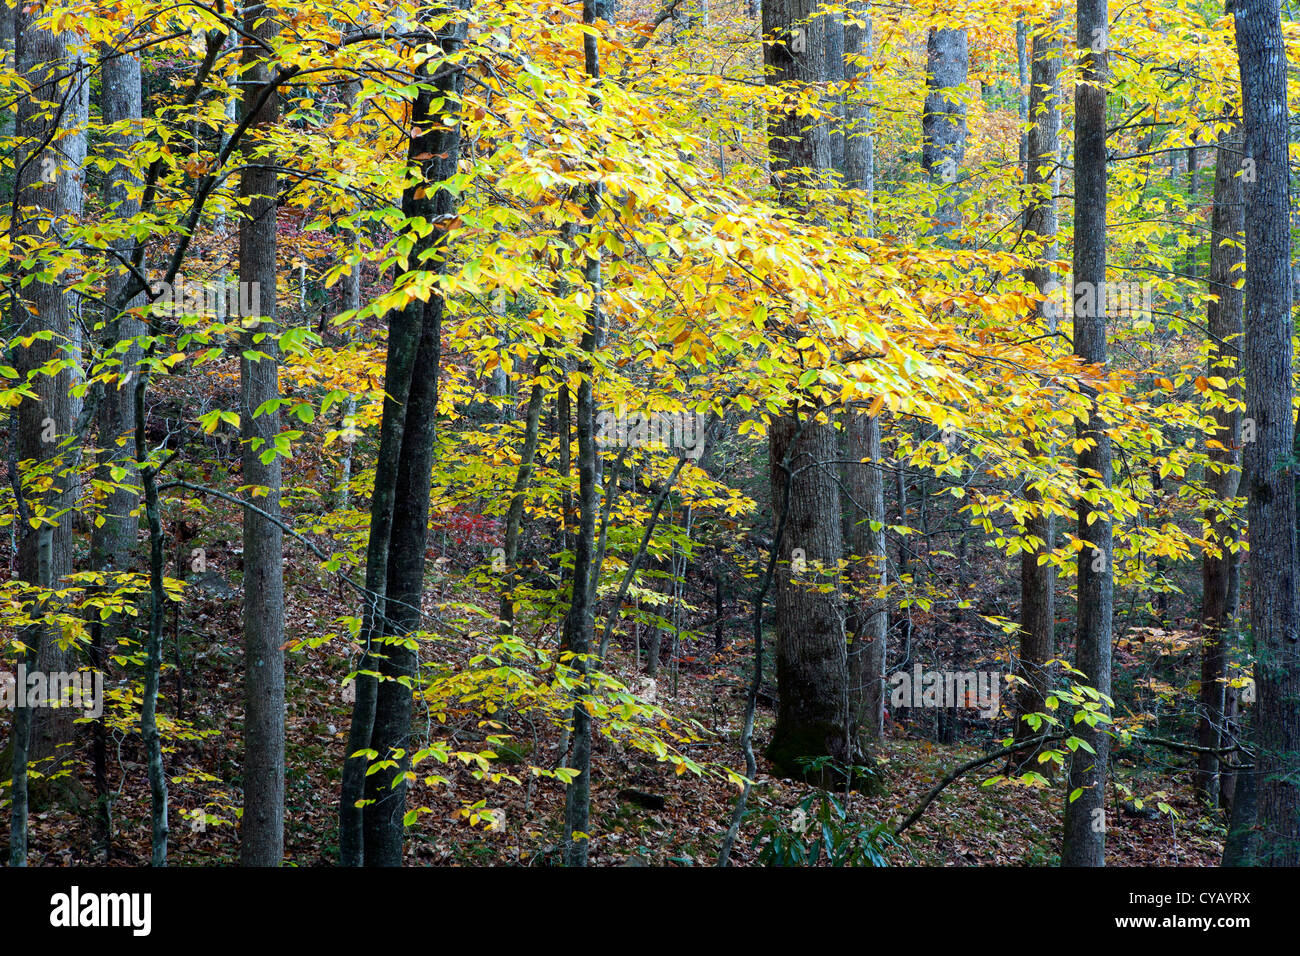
(792, 748)
(513, 751)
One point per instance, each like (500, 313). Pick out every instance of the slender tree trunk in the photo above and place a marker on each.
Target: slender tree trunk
(859, 166)
(351, 303)
(1224, 319)
(153, 646)
(1023, 93)
(399, 513)
(1270, 492)
(1242, 845)
(579, 626)
(390, 737)
(514, 517)
(262, 829)
(1085, 831)
(868, 626)
(1042, 182)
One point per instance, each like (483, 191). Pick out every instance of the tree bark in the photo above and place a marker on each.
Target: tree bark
(1085, 831)
(262, 828)
(399, 509)
(1270, 491)
(868, 626)
(1042, 182)
(579, 625)
(49, 194)
(813, 715)
(943, 122)
(111, 542)
(1218, 611)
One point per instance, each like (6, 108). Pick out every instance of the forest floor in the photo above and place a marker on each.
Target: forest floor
(642, 811)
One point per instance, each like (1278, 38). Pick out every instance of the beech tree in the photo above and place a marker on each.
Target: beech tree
(1219, 585)
(49, 191)
(1085, 809)
(813, 716)
(1042, 184)
(263, 822)
(1270, 491)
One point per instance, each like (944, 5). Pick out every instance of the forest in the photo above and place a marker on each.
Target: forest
(653, 433)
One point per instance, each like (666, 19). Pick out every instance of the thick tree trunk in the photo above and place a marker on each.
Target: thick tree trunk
(50, 191)
(798, 57)
(1085, 831)
(262, 829)
(1218, 611)
(113, 539)
(1270, 492)
(943, 122)
(813, 716)
(1042, 182)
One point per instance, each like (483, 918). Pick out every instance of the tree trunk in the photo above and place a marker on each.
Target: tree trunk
(518, 494)
(49, 192)
(943, 122)
(1042, 182)
(579, 625)
(813, 715)
(1024, 92)
(113, 540)
(262, 829)
(813, 718)
(1270, 492)
(868, 625)
(1224, 318)
(399, 511)
(1085, 831)
(798, 58)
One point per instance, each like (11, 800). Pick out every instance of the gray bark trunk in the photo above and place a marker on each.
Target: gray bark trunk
(1218, 611)
(1270, 491)
(579, 626)
(262, 829)
(943, 122)
(1085, 831)
(112, 540)
(868, 625)
(1042, 182)
(49, 190)
(813, 714)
